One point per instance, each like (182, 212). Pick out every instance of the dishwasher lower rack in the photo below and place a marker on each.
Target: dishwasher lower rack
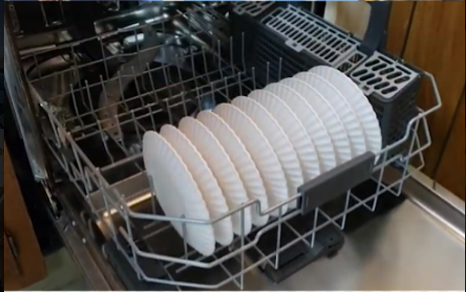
(122, 202)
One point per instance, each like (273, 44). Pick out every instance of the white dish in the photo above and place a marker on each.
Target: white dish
(344, 111)
(242, 160)
(206, 182)
(177, 192)
(261, 152)
(294, 129)
(310, 120)
(277, 139)
(330, 118)
(358, 102)
(224, 171)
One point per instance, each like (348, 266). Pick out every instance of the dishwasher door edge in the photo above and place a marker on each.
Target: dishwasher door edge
(434, 200)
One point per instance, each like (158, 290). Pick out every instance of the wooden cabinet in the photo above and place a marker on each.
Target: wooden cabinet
(451, 171)
(23, 263)
(430, 35)
(436, 43)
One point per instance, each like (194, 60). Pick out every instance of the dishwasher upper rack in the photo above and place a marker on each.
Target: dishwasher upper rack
(107, 198)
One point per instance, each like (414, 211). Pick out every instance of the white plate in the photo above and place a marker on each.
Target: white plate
(329, 117)
(206, 182)
(224, 171)
(295, 131)
(241, 159)
(277, 139)
(358, 102)
(261, 152)
(343, 109)
(310, 120)
(177, 192)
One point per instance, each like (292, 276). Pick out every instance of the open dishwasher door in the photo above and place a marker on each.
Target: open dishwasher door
(418, 245)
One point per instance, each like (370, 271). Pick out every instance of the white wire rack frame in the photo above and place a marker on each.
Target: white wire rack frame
(224, 80)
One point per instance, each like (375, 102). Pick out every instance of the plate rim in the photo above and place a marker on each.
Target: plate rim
(195, 190)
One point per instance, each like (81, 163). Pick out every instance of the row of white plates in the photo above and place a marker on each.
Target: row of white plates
(261, 147)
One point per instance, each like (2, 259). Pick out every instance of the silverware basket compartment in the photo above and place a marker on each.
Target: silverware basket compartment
(301, 40)
(96, 141)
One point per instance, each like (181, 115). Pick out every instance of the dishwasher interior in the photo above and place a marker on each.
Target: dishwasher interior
(91, 89)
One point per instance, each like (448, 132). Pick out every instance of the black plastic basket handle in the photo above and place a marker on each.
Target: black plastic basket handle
(376, 33)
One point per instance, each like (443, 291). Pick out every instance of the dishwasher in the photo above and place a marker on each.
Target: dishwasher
(84, 90)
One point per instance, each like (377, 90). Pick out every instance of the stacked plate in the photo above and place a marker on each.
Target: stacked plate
(258, 148)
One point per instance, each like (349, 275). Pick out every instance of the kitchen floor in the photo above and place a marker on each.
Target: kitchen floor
(63, 274)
